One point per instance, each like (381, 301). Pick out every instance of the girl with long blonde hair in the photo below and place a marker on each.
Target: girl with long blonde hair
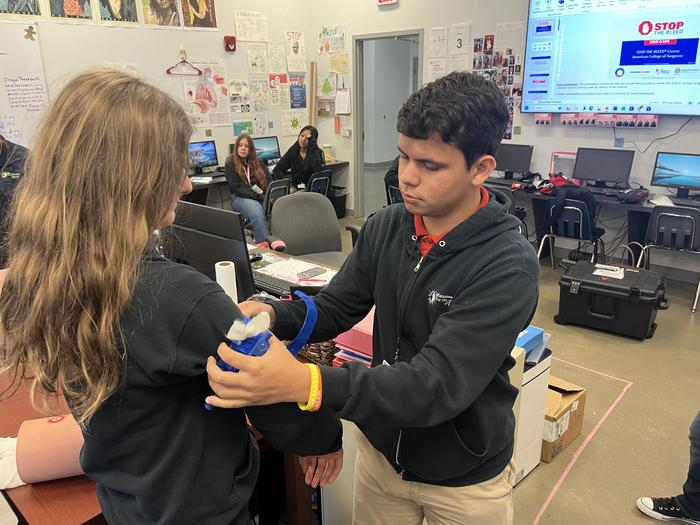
(90, 312)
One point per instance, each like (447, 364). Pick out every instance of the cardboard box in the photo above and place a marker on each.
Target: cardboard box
(563, 416)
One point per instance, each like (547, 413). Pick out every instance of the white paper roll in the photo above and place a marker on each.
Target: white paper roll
(226, 277)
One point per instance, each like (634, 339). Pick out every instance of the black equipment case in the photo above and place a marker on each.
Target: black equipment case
(624, 306)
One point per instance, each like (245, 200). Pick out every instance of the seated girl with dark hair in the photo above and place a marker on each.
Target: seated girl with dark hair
(303, 158)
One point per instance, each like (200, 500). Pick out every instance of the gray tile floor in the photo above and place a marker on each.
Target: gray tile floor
(642, 447)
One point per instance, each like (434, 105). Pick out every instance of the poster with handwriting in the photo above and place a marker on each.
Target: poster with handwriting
(257, 59)
(23, 94)
(438, 42)
(260, 125)
(206, 96)
(276, 61)
(260, 95)
(331, 39)
(296, 50)
(339, 63)
(279, 89)
(251, 26)
(327, 84)
(239, 96)
(292, 121)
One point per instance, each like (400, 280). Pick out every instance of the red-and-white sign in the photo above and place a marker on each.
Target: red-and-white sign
(646, 27)
(387, 2)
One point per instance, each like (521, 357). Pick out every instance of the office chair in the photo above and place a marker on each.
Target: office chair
(275, 190)
(320, 182)
(507, 192)
(393, 193)
(307, 223)
(354, 230)
(673, 228)
(573, 222)
(391, 183)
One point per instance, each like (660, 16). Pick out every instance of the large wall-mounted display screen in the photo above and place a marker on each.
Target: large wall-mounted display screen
(612, 56)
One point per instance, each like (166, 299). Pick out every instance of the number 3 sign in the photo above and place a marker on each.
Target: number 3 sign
(458, 40)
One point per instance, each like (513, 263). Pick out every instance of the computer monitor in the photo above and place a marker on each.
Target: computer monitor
(203, 155)
(267, 148)
(514, 158)
(603, 165)
(202, 236)
(677, 170)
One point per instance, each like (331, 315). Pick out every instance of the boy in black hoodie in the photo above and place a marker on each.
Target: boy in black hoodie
(453, 283)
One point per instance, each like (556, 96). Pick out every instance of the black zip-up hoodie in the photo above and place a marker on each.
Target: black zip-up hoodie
(437, 401)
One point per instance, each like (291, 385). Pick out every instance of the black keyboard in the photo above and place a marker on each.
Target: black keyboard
(685, 202)
(270, 284)
(605, 191)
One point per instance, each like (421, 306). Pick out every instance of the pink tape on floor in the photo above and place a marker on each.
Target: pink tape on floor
(589, 437)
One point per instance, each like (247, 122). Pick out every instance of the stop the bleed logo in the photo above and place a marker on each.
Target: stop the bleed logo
(661, 28)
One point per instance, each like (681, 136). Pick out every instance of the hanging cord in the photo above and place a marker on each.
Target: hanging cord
(656, 139)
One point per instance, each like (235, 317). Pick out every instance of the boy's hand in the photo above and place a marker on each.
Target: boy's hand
(253, 308)
(276, 377)
(321, 470)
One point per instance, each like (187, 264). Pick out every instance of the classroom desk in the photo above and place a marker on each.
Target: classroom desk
(70, 501)
(200, 190)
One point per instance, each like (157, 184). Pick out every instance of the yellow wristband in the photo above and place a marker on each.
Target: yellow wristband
(315, 373)
(319, 393)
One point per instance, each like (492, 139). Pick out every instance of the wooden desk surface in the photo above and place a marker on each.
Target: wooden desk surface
(70, 501)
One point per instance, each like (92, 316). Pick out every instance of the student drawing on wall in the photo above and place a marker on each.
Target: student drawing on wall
(118, 10)
(161, 12)
(201, 13)
(70, 8)
(20, 7)
(205, 93)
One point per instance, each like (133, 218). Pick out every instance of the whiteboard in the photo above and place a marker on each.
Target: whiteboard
(23, 94)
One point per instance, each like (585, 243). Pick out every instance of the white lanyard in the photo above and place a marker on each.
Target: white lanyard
(247, 172)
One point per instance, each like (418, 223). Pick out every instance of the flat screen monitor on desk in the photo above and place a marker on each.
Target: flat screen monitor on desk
(514, 158)
(677, 170)
(267, 148)
(604, 165)
(203, 155)
(204, 236)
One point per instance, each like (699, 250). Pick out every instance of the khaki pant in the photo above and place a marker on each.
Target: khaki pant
(383, 498)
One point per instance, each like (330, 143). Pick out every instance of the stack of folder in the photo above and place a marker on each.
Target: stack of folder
(534, 341)
(356, 344)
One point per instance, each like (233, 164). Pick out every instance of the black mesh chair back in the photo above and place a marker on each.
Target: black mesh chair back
(674, 228)
(275, 190)
(320, 182)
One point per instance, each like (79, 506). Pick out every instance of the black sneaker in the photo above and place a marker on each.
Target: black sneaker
(664, 509)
